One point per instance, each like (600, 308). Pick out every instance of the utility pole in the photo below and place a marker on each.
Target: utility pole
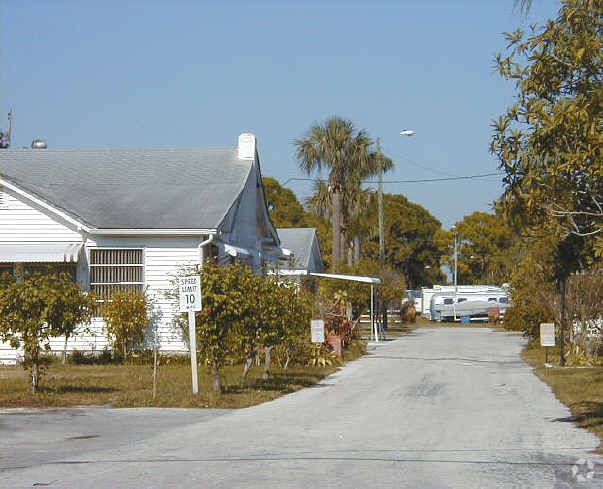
(382, 309)
(456, 260)
(381, 213)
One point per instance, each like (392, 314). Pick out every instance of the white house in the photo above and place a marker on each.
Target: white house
(305, 247)
(130, 218)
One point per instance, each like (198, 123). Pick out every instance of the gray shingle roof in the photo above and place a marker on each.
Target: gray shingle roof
(298, 240)
(132, 188)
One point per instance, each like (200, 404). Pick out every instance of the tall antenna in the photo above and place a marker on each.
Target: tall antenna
(10, 126)
(5, 136)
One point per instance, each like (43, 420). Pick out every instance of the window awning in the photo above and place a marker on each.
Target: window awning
(40, 253)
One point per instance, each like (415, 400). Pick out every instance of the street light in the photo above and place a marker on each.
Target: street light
(405, 132)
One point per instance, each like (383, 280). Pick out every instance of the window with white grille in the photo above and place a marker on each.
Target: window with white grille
(116, 269)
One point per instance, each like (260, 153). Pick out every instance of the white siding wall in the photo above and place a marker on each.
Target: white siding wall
(163, 258)
(87, 338)
(21, 223)
(162, 263)
(8, 355)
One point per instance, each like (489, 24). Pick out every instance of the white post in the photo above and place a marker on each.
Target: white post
(155, 369)
(372, 325)
(192, 335)
(456, 259)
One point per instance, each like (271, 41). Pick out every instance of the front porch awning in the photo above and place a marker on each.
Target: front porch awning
(278, 252)
(40, 253)
(236, 251)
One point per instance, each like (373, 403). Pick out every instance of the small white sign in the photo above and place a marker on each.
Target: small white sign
(547, 334)
(317, 326)
(190, 293)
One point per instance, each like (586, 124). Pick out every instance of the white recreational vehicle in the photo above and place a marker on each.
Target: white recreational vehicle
(464, 292)
(448, 306)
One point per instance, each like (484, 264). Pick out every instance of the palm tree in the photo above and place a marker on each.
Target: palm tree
(358, 206)
(346, 154)
(337, 147)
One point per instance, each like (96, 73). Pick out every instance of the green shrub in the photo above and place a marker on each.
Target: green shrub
(78, 357)
(126, 316)
(37, 307)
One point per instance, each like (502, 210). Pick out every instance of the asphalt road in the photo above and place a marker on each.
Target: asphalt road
(441, 408)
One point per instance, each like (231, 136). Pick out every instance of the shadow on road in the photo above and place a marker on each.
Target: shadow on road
(448, 359)
(591, 414)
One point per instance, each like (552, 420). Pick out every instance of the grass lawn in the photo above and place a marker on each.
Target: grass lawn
(132, 385)
(581, 389)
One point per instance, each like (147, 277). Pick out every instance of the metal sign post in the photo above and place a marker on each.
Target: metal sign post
(190, 301)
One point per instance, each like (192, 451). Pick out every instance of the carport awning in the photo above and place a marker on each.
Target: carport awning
(353, 278)
(40, 253)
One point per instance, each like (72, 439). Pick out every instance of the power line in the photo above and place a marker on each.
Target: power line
(422, 167)
(424, 180)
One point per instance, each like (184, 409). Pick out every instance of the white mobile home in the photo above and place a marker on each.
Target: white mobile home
(130, 218)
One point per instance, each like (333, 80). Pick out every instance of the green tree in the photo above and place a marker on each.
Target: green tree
(487, 249)
(37, 307)
(272, 301)
(410, 237)
(70, 307)
(244, 313)
(285, 210)
(549, 142)
(227, 322)
(126, 317)
(295, 343)
(345, 153)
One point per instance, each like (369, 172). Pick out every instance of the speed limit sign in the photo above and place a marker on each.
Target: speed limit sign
(190, 301)
(190, 293)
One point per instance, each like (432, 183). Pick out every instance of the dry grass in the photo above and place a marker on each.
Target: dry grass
(131, 385)
(581, 389)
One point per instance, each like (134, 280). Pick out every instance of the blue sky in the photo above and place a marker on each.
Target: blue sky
(196, 74)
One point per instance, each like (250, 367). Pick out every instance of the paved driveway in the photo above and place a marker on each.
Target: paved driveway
(441, 408)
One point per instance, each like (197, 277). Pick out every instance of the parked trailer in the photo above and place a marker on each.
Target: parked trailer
(428, 293)
(446, 306)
